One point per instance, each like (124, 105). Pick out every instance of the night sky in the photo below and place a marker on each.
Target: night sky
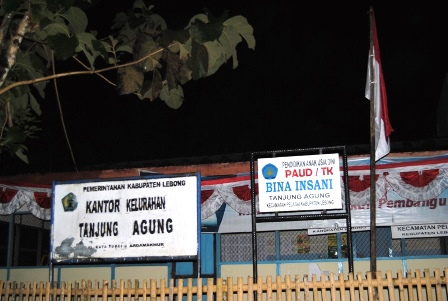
(303, 86)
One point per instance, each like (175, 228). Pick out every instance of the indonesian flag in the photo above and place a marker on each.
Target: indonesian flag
(375, 81)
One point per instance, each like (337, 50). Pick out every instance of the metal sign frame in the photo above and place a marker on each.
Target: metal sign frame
(117, 183)
(282, 217)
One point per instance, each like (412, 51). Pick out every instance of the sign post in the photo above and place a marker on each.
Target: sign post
(310, 180)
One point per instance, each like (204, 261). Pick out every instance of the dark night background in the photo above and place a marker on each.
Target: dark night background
(302, 86)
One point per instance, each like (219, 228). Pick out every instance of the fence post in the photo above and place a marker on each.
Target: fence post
(288, 291)
(219, 290)
(199, 289)
(419, 284)
(189, 289)
(229, 288)
(438, 284)
(428, 285)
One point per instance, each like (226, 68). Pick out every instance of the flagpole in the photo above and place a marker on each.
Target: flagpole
(372, 156)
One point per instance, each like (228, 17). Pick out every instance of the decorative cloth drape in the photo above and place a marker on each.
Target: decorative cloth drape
(37, 199)
(412, 181)
(417, 185)
(236, 194)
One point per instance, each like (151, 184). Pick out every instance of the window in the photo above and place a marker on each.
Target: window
(425, 246)
(298, 245)
(237, 247)
(29, 243)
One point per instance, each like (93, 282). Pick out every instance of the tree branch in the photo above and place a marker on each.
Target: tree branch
(4, 27)
(15, 44)
(100, 75)
(73, 73)
(58, 99)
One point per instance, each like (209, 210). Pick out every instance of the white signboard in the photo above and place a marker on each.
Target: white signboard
(320, 231)
(423, 230)
(126, 218)
(299, 183)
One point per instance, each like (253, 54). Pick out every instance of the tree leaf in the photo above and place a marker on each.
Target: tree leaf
(159, 22)
(156, 84)
(63, 46)
(129, 80)
(139, 4)
(30, 66)
(205, 27)
(244, 29)
(198, 61)
(185, 50)
(85, 45)
(21, 102)
(216, 56)
(120, 20)
(145, 46)
(54, 29)
(203, 32)
(124, 48)
(34, 104)
(37, 11)
(229, 39)
(76, 18)
(173, 66)
(13, 139)
(21, 155)
(184, 75)
(172, 97)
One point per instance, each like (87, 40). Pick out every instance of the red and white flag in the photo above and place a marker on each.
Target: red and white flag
(375, 81)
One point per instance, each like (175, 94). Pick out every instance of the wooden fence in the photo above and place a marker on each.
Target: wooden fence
(412, 287)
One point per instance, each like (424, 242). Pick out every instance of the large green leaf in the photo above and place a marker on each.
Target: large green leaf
(151, 88)
(63, 46)
(202, 31)
(159, 22)
(76, 18)
(229, 39)
(140, 4)
(244, 28)
(184, 50)
(34, 104)
(85, 45)
(173, 66)
(147, 47)
(13, 139)
(216, 56)
(172, 97)
(21, 102)
(37, 11)
(30, 66)
(130, 80)
(120, 20)
(56, 28)
(20, 153)
(198, 61)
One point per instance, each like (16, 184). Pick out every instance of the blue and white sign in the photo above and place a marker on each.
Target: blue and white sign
(299, 183)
